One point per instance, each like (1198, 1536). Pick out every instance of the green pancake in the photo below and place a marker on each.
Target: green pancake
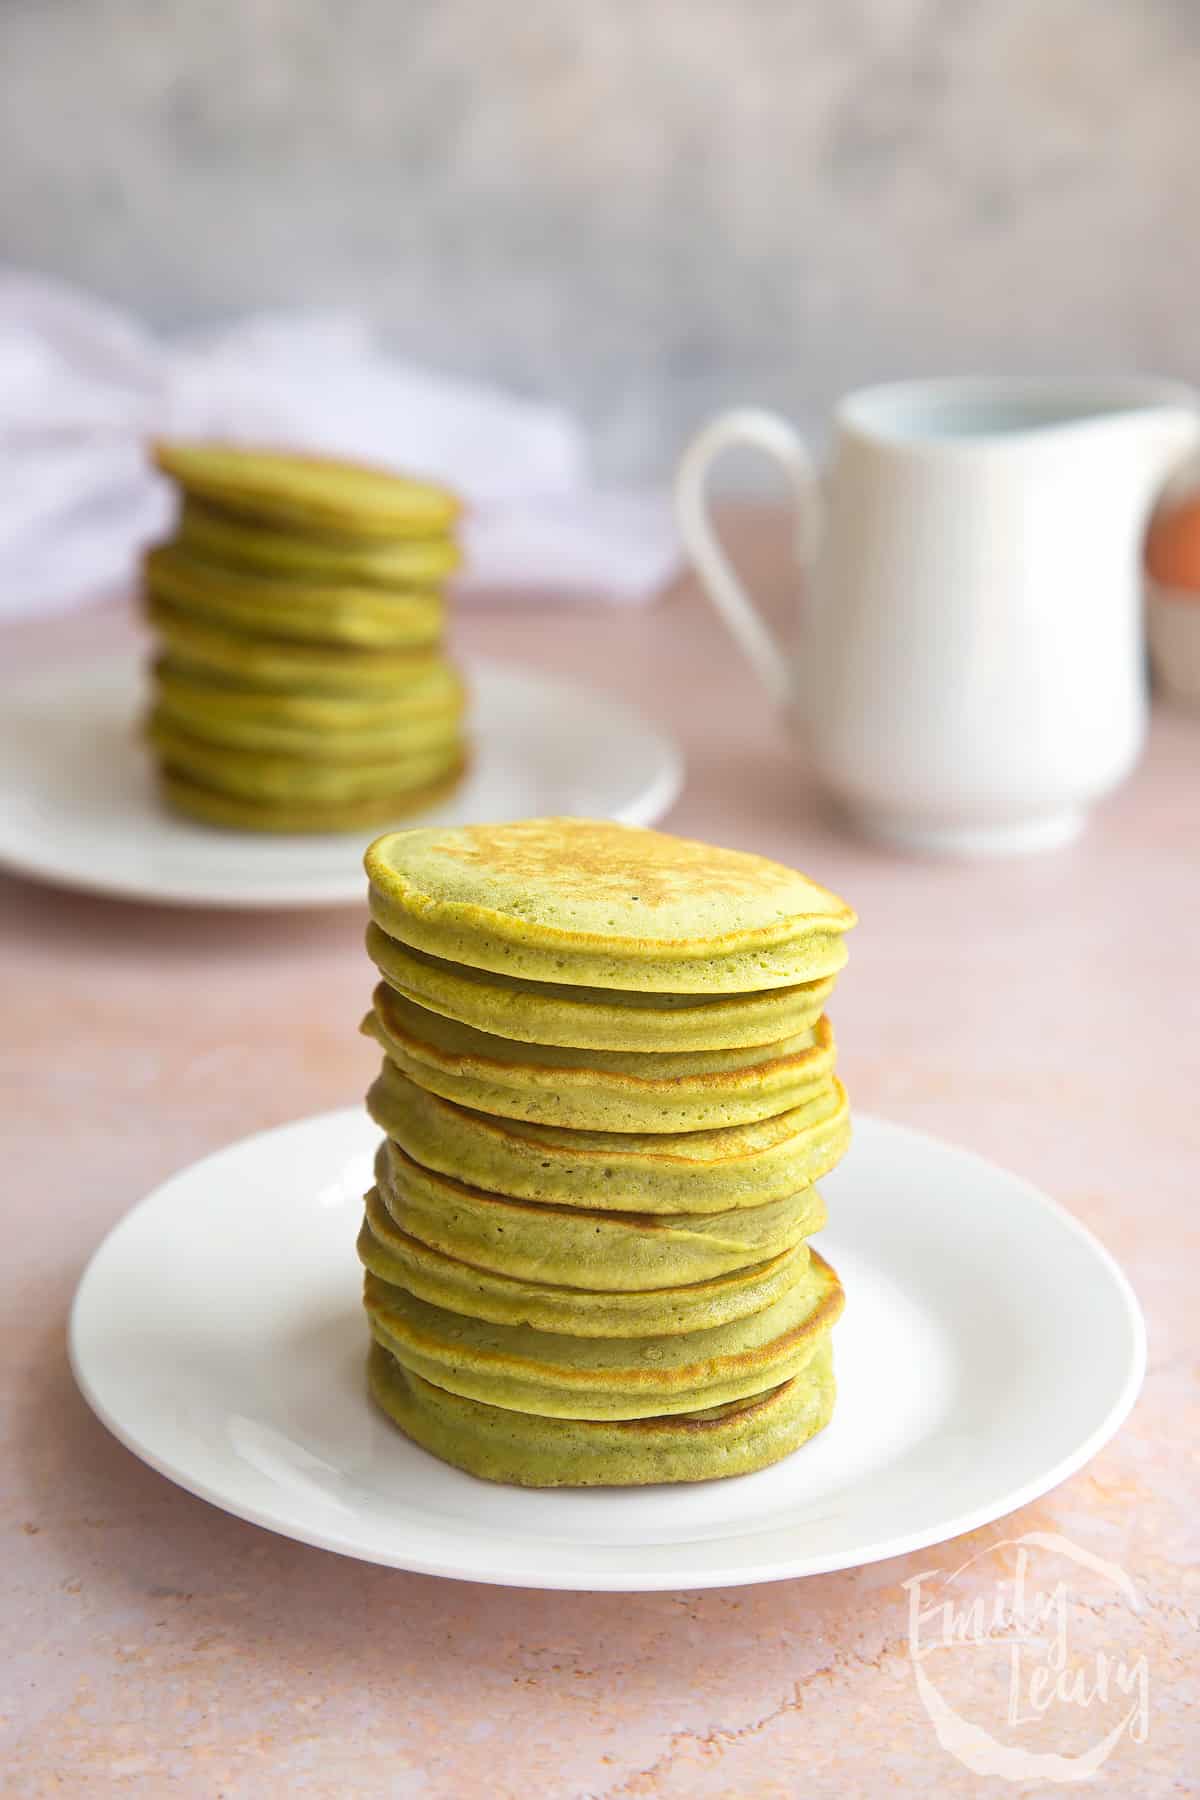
(288, 780)
(233, 812)
(308, 493)
(684, 1172)
(623, 1252)
(333, 726)
(589, 903)
(543, 1012)
(599, 1090)
(275, 663)
(477, 1293)
(500, 1445)
(213, 536)
(234, 734)
(291, 607)
(557, 1376)
(231, 734)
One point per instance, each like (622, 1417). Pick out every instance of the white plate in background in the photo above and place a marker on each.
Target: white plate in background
(78, 805)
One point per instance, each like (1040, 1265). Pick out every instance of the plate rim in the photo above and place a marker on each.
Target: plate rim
(652, 805)
(601, 1581)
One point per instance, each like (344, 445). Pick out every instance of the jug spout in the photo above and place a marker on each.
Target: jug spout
(1098, 458)
(1165, 438)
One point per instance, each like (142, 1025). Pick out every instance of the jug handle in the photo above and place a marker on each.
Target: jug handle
(760, 431)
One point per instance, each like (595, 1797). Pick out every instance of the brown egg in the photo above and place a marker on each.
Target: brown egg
(1173, 545)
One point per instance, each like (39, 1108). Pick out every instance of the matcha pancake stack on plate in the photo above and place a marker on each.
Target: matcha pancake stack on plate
(301, 683)
(608, 1090)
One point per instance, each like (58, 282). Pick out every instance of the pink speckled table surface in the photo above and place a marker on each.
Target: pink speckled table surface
(1043, 1012)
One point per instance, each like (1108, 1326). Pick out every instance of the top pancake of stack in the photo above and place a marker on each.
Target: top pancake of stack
(308, 493)
(573, 905)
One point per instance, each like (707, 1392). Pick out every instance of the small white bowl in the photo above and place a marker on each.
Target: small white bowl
(1173, 627)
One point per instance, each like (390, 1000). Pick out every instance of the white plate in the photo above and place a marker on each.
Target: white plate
(78, 806)
(989, 1347)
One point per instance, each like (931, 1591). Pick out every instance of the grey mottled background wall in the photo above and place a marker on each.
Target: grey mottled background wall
(643, 207)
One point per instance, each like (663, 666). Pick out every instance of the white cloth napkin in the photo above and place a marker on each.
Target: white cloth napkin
(83, 387)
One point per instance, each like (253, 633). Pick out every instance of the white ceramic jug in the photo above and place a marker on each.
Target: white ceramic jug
(971, 672)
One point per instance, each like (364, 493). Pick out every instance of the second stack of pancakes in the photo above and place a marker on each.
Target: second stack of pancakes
(607, 1090)
(299, 608)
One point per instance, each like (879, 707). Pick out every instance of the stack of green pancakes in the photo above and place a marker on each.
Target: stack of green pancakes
(607, 1090)
(301, 684)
